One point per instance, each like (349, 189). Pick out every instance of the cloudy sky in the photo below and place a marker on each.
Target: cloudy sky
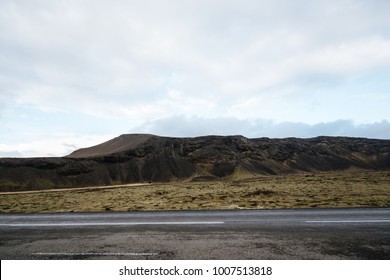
(76, 73)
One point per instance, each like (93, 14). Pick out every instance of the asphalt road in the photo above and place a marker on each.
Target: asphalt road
(244, 234)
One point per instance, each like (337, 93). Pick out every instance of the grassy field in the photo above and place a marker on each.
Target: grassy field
(328, 189)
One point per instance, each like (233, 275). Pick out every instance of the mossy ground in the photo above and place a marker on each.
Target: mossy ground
(323, 189)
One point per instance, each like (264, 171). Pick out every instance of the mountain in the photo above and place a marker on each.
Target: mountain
(119, 144)
(150, 158)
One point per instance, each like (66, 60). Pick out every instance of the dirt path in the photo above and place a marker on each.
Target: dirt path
(78, 189)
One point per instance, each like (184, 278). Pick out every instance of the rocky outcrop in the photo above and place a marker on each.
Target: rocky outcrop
(149, 158)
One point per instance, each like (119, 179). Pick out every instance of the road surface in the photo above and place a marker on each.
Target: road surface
(245, 234)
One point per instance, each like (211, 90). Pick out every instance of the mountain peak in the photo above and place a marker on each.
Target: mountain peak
(119, 144)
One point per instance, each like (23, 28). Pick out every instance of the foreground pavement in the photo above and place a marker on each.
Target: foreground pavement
(245, 234)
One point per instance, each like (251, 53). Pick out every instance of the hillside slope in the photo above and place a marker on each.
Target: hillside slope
(149, 158)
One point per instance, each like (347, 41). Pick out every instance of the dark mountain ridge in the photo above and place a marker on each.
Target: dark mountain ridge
(149, 158)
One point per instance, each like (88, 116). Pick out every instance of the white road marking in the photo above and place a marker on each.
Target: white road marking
(108, 224)
(350, 221)
(94, 254)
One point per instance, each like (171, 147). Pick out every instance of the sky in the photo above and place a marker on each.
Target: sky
(75, 73)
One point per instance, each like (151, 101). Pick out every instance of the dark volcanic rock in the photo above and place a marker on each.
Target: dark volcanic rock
(145, 158)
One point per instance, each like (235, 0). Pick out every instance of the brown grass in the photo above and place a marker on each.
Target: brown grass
(330, 189)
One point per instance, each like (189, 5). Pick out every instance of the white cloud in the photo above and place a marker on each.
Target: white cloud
(348, 57)
(182, 126)
(135, 62)
(53, 145)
